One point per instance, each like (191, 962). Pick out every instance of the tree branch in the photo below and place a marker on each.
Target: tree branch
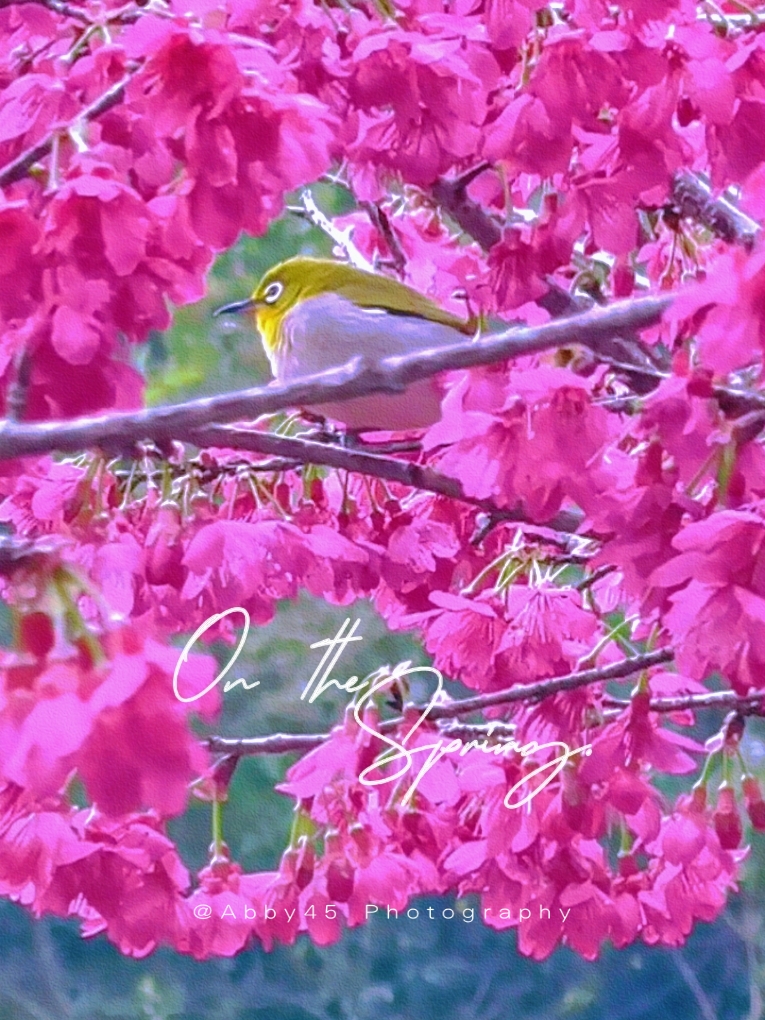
(57, 6)
(341, 238)
(746, 704)
(628, 354)
(281, 743)
(452, 196)
(306, 451)
(694, 198)
(381, 223)
(542, 689)
(120, 432)
(19, 167)
(625, 353)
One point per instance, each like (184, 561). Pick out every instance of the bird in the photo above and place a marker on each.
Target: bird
(315, 314)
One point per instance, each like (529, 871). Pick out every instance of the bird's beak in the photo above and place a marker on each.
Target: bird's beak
(236, 306)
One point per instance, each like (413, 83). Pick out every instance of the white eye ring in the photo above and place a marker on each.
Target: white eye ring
(273, 292)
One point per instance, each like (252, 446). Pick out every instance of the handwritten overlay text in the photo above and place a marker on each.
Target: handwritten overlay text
(398, 753)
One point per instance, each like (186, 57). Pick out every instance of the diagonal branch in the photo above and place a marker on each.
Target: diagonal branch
(307, 451)
(120, 432)
(341, 238)
(452, 196)
(694, 198)
(57, 6)
(281, 743)
(542, 689)
(19, 167)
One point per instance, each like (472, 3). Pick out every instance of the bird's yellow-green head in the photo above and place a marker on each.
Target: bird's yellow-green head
(287, 284)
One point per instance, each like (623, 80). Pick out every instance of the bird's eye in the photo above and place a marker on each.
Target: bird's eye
(273, 292)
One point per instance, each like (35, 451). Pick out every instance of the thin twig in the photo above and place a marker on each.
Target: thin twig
(57, 6)
(595, 576)
(689, 975)
(745, 704)
(383, 226)
(274, 743)
(479, 731)
(342, 238)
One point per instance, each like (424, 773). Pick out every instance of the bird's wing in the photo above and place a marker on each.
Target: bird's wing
(328, 330)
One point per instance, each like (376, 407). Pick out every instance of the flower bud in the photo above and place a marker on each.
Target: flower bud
(306, 863)
(317, 492)
(755, 806)
(201, 507)
(726, 818)
(733, 729)
(20, 674)
(288, 865)
(700, 383)
(164, 564)
(640, 703)
(687, 112)
(339, 881)
(333, 843)
(627, 864)
(623, 279)
(220, 860)
(363, 840)
(699, 798)
(36, 634)
(282, 496)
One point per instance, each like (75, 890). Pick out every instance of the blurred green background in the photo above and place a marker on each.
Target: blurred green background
(444, 969)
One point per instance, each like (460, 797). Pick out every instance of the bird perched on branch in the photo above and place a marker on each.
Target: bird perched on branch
(316, 314)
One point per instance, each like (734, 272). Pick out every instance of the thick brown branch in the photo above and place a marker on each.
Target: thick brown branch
(280, 743)
(452, 196)
(121, 431)
(694, 199)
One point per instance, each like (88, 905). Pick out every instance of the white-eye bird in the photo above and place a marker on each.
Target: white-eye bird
(315, 314)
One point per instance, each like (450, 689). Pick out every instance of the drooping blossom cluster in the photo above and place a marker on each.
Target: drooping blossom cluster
(508, 158)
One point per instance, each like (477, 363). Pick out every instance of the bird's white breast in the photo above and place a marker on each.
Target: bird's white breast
(326, 331)
(329, 330)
